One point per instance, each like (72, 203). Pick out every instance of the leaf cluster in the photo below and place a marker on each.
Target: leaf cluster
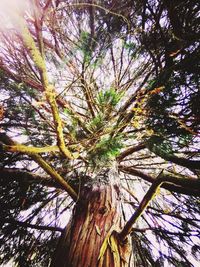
(105, 150)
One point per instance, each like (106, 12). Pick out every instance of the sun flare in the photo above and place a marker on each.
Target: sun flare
(8, 11)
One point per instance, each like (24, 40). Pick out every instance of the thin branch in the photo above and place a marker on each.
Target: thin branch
(151, 193)
(87, 93)
(191, 189)
(49, 89)
(141, 208)
(48, 169)
(33, 226)
(31, 178)
(190, 164)
(45, 166)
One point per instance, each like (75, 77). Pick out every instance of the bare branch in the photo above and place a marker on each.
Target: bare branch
(141, 208)
(45, 166)
(151, 193)
(32, 178)
(130, 150)
(32, 226)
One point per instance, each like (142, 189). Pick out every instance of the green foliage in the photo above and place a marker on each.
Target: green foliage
(165, 110)
(106, 150)
(97, 122)
(161, 41)
(85, 46)
(72, 125)
(184, 140)
(109, 98)
(160, 146)
(25, 249)
(131, 47)
(21, 243)
(107, 101)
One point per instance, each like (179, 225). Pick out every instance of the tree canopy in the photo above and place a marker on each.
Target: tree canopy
(88, 85)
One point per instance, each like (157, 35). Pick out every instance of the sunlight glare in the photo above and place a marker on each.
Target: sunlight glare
(8, 11)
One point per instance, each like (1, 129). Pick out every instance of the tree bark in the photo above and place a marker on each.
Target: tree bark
(90, 239)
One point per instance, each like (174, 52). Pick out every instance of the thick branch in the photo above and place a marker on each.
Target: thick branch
(45, 166)
(142, 206)
(48, 169)
(151, 193)
(130, 150)
(190, 164)
(49, 89)
(30, 149)
(192, 188)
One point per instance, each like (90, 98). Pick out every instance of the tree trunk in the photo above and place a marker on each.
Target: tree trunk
(90, 239)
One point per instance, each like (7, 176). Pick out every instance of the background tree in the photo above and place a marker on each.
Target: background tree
(99, 115)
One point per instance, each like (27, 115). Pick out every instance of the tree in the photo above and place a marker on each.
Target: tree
(99, 119)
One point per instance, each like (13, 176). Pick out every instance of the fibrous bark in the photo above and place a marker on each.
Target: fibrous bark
(90, 239)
